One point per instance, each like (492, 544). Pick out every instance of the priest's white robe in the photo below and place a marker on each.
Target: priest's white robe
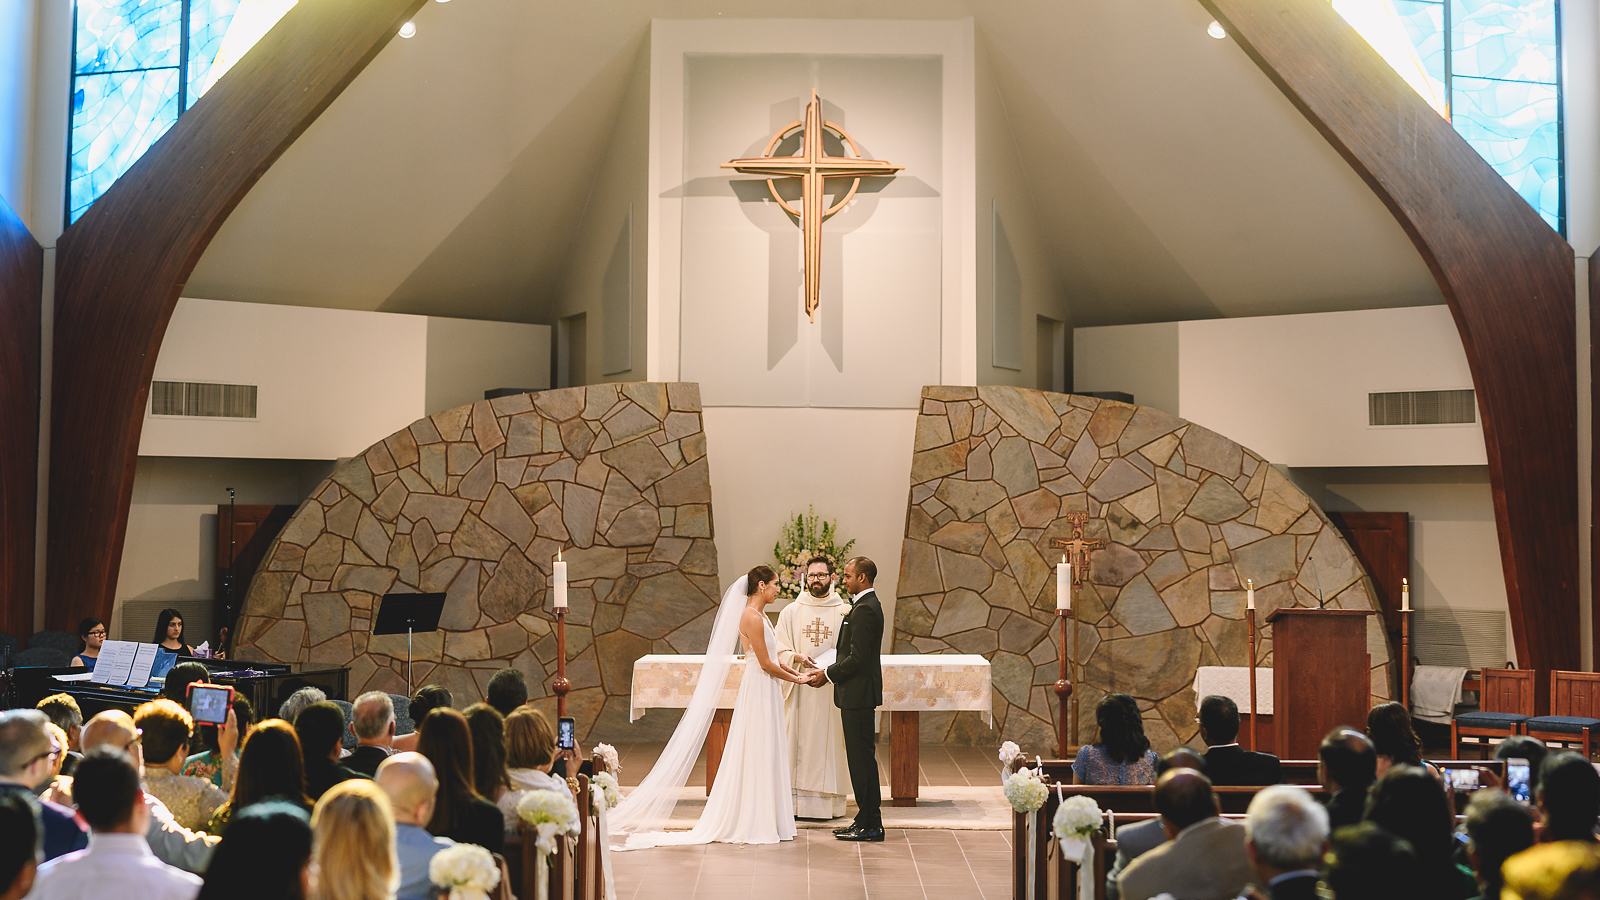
(819, 773)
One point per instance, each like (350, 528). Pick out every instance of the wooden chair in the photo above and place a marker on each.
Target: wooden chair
(1574, 718)
(1505, 704)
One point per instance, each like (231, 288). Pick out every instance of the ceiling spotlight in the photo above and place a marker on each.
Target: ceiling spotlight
(444, 1)
(408, 30)
(1216, 30)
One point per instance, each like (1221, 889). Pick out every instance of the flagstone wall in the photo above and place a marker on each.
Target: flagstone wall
(475, 502)
(1184, 515)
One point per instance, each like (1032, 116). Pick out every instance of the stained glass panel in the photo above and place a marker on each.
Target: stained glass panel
(208, 25)
(1514, 125)
(1507, 39)
(115, 118)
(1424, 23)
(117, 35)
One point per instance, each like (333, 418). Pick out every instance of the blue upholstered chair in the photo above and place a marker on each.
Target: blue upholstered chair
(1505, 702)
(1575, 712)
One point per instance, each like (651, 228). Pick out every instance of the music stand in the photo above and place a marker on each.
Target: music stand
(408, 613)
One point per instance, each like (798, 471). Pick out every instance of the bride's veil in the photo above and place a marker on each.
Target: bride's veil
(648, 807)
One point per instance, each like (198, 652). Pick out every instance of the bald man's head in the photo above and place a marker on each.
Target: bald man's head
(1184, 797)
(1181, 758)
(409, 780)
(113, 728)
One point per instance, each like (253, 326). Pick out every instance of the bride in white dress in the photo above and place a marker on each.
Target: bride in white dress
(750, 802)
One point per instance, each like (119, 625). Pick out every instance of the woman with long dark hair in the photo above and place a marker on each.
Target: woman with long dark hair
(266, 855)
(488, 750)
(270, 768)
(1411, 804)
(169, 632)
(427, 698)
(1122, 755)
(1393, 738)
(460, 813)
(92, 632)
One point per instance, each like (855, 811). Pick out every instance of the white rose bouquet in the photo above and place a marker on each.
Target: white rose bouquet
(609, 754)
(468, 871)
(604, 790)
(1009, 751)
(552, 814)
(1025, 791)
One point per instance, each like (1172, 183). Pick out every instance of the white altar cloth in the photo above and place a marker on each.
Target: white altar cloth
(1233, 682)
(920, 682)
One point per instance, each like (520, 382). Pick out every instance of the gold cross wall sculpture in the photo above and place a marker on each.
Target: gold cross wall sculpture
(813, 167)
(1078, 548)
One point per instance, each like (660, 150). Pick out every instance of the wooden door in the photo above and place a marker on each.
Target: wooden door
(244, 532)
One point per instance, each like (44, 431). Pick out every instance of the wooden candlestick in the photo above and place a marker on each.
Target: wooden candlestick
(1255, 712)
(561, 685)
(1064, 687)
(1405, 658)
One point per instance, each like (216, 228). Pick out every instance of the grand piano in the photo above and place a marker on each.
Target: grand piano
(266, 685)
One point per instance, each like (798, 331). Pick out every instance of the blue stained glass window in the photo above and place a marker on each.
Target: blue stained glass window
(115, 118)
(1424, 22)
(119, 35)
(1508, 39)
(1515, 126)
(208, 25)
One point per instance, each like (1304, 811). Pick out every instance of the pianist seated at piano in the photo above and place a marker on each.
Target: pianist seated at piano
(92, 632)
(169, 632)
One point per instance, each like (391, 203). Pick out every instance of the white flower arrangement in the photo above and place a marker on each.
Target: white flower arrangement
(1077, 819)
(552, 814)
(609, 754)
(468, 871)
(1009, 751)
(1025, 791)
(604, 790)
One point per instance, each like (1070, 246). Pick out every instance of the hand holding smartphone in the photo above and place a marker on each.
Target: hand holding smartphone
(210, 704)
(567, 733)
(1519, 780)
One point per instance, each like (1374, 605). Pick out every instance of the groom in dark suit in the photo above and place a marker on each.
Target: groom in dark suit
(857, 680)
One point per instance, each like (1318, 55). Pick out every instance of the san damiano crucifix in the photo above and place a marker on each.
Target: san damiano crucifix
(813, 166)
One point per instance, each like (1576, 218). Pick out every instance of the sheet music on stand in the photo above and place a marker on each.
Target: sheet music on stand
(125, 664)
(144, 660)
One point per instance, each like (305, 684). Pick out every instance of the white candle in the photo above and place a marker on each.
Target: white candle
(1405, 595)
(560, 582)
(1063, 586)
(1249, 594)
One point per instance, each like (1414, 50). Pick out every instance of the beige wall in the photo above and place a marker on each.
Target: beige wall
(17, 68)
(466, 357)
(1141, 360)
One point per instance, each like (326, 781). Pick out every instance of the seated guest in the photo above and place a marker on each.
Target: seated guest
(1347, 766)
(352, 843)
(320, 728)
(169, 632)
(460, 813)
(1393, 738)
(176, 685)
(289, 710)
(1204, 854)
(1364, 862)
(169, 840)
(106, 787)
(1498, 828)
(57, 788)
(409, 781)
(164, 730)
(429, 697)
(1564, 870)
(266, 856)
(1521, 746)
(1227, 763)
(1133, 841)
(92, 633)
(1123, 754)
(372, 722)
(19, 852)
(507, 690)
(488, 729)
(63, 710)
(1568, 798)
(1410, 803)
(530, 752)
(271, 767)
(1284, 833)
(208, 764)
(26, 761)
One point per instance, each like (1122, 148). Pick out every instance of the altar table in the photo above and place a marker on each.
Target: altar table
(912, 684)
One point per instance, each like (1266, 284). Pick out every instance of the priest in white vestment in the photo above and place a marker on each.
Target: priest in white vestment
(808, 628)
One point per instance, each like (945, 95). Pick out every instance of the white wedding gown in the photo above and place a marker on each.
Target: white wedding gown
(751, 801)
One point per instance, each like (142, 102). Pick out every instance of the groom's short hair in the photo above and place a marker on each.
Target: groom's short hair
(865, 567)
(820, 559)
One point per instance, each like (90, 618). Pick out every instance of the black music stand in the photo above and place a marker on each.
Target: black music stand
(408, 614)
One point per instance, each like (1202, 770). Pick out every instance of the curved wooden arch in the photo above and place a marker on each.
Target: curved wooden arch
(1508, 279)
(21, 280)
(120, 268)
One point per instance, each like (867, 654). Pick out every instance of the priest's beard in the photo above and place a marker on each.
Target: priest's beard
(818, 590)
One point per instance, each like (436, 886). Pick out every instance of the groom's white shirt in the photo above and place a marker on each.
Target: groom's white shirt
(853, 601)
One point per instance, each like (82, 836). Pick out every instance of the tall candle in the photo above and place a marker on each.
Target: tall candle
(1405, 595)
(560, 582)
(1249, 593)
(1063, 585)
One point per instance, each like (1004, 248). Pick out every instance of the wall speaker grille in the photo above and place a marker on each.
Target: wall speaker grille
(1457, 407)
(200, 399)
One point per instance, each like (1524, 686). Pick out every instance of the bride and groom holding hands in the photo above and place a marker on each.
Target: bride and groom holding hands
(751, 801)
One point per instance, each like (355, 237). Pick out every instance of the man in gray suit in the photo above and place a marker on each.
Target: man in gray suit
(1204, 857)
(1140, 838)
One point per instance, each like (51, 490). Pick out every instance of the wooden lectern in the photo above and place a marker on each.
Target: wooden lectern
(1321, 675)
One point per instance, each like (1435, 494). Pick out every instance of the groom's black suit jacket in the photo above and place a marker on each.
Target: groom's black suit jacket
(858, 677)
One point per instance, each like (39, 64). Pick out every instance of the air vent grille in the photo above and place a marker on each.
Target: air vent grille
(1475, 638)
(1458, 407)
(199, 399)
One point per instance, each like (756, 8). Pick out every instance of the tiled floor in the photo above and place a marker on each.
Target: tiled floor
(912, 864)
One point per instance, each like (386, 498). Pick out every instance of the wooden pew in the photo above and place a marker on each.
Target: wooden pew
(576, 868)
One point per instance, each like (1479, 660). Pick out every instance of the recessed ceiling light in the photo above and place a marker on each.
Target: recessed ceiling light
(1216, 30)
(408, 30)
(444, 1)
